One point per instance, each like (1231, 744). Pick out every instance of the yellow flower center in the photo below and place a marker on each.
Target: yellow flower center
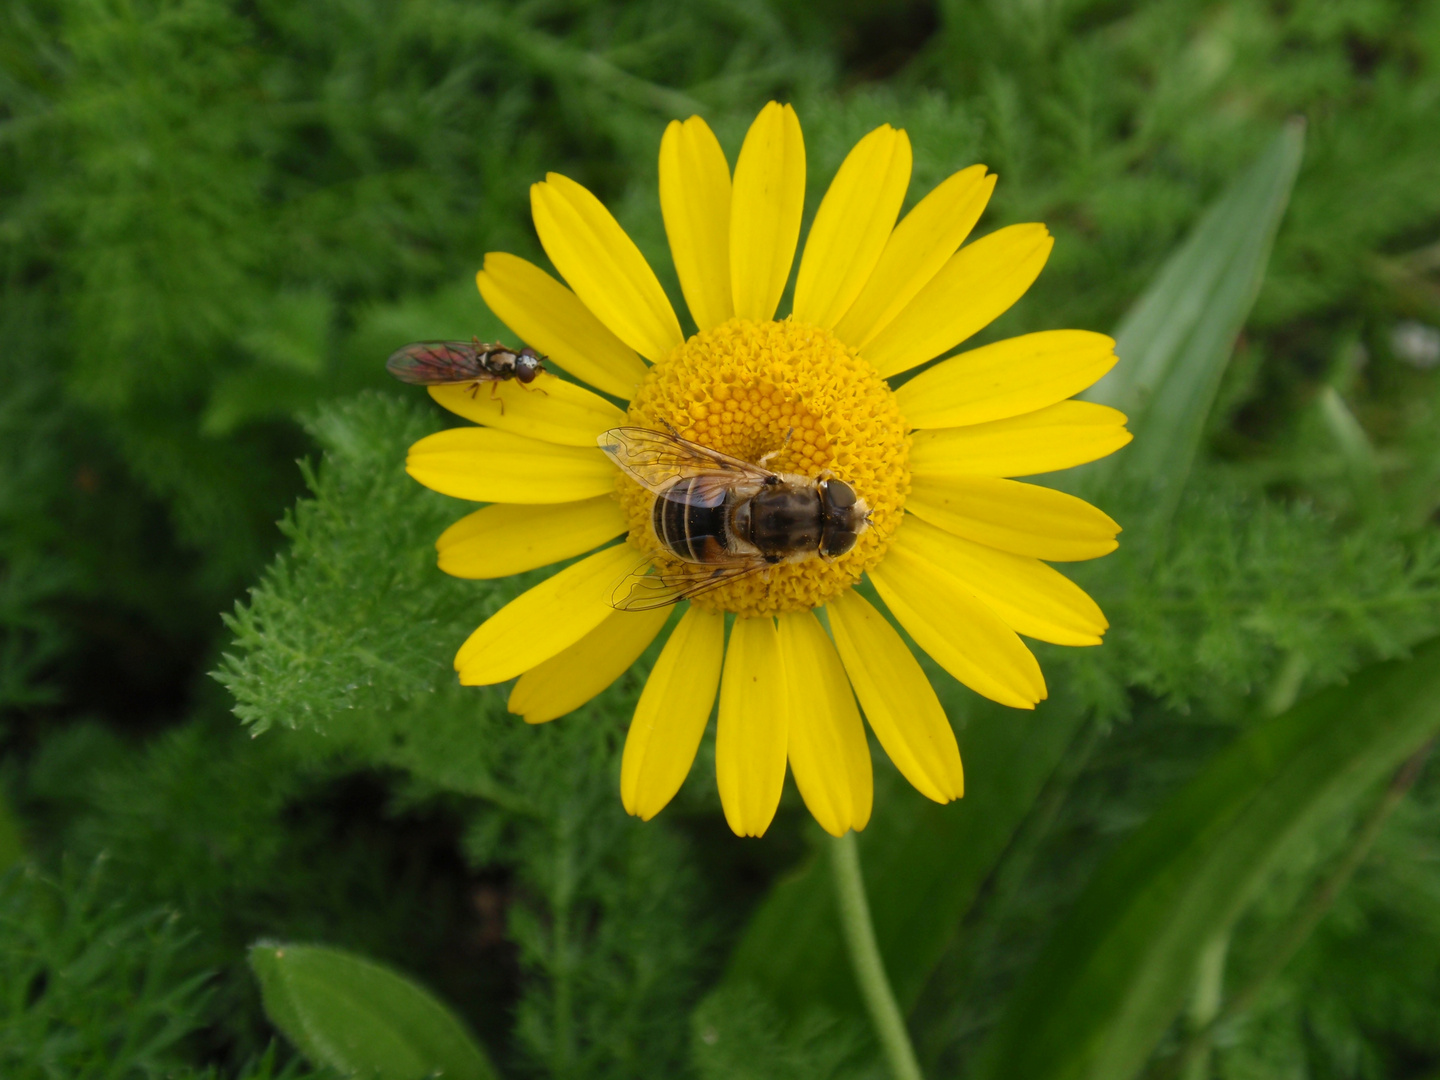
(750, 388)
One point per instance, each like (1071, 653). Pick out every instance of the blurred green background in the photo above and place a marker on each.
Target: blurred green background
(216, 221)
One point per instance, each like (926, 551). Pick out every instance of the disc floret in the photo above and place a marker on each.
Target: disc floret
(796, 393)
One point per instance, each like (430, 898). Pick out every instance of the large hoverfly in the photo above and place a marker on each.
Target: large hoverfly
(731, 518)
(442, 363)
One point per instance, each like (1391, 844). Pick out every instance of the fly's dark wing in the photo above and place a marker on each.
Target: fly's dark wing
(641, 591)
(656, 460)
(435, 363)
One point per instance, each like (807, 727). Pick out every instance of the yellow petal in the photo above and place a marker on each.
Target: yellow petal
(917, 249)
(544, 621)
(828, 752)
(1057, 437)
(485, 465)
(753, 727)
(1009, 378)
(695, 202)
(898, 699)
(971, 291)
(551, 320)
(959, 632)
(505, 539)
(1032, 598)
(671, 716)
(571, 678)
(603, 265)
(1024, 518)
(549, 408)
(765, 209)
(850, 228)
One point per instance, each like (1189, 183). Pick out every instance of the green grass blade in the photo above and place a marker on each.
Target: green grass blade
(1177, 339)
(361, 1019)
(1120, 967)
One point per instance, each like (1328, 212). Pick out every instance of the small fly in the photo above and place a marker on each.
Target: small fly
(448, 363)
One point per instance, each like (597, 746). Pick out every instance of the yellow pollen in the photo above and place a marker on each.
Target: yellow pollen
(750, 388)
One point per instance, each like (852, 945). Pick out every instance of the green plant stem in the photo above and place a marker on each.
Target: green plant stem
(865, 959)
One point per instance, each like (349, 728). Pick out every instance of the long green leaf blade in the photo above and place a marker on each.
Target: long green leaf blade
(362, 1019)
(1117, 971)
(1177, 339)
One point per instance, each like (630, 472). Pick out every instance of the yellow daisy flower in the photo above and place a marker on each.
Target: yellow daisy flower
(957, 548)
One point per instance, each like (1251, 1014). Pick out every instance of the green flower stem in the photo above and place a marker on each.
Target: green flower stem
(865, 959)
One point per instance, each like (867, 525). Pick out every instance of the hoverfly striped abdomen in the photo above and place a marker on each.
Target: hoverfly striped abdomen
(692, 521)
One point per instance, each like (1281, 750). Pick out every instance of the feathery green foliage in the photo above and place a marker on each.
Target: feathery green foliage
(91, 988)
(99, 987)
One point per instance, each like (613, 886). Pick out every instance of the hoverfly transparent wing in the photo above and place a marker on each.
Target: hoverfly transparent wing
(436, 363)
(642, 591)
(656, 460)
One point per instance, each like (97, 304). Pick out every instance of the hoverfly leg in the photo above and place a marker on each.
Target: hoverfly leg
(495, 396)
(766, 458)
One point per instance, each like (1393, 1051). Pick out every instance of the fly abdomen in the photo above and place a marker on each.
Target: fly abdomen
(691, 523)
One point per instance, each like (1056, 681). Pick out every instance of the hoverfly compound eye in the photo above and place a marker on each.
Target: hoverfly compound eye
(527, 365)
(839, 495)
(844, 518)
(838, 542)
